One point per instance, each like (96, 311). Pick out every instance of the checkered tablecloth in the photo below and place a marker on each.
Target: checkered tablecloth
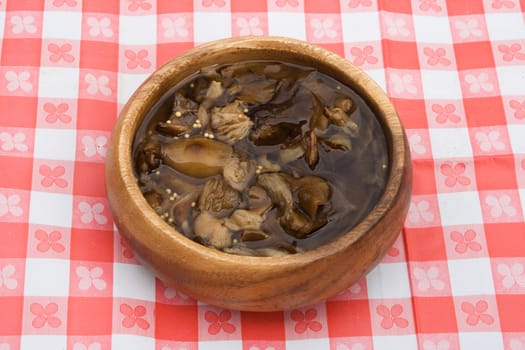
(455, 278)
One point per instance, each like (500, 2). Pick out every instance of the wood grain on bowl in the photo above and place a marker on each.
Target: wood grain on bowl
(256, 283)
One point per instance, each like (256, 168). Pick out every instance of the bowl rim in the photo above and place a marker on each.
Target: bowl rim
(134, 111)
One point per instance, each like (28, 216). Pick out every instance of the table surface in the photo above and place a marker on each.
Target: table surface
(454, 279)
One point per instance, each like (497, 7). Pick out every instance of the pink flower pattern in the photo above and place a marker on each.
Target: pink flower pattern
(445, 113)
(511, 52)
(52, 176)
(465, 241)
(57, 112)
(392, 316)
(219, 321)
(498, 4)
(283, 3)
(477, 313)
(210, 3)
(60, 3)
(45, 315)
(126, 251)
(454, 175)
(137, 59)
(357, 3)
(305, 320)
(363, 55)
(49, 241)
(436, 56)
(426, 5)
(134, 316)
(519, 108)
(134, 5)
(60, 53)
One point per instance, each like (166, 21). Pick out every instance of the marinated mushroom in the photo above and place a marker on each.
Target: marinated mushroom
(197, 156)
(229, 123)
(238, 173)
(218, 198)
(211, 231)
(261, 158)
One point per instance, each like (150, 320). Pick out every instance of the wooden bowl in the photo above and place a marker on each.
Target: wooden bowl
(256, 283)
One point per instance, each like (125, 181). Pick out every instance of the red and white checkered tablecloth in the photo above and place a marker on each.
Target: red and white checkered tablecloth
(455, 279)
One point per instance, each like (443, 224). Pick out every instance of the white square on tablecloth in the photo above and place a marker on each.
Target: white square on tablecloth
(511, 80)
(471, 277)
(481, 340)
(133, 281)
(378, 75)
(404, 342)
(54, 209)
(127, 84)
(58, 82)
(132, 342)
(209, 26)
(59, 144)
(388, 281)
(460, 208)
(303, 344)
(505, 26)
(220, 345)
(440, 84)
(137, 30)
(358, 27)
(292, 25)
(32, 342)
(517, 138)
(62, 25)
(46, 277)
(430, 29)
(450, 143)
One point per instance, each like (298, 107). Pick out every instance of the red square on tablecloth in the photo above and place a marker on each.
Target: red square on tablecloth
(101, 6)
(166, 52)
(11, 316)
(21, 5)
(89, 316)
(511, 312)
(13, 236)
(395, 6)
(474, 55)
(457, 8)
(262, 326)
(490, 168)
(89, 179)
(325, 6)
(411, 112)
(25, 108)
(484, 111)
(248, 6)
(334, 47)
(435, 314)
(177, 322)
(506, 239)
(21, 52)
(106, 114)
(424, 180)
(425, 244)
(92, 245)
(400, 54)
(98, 55)
(16, 172)
(175, 6)
(348, 318)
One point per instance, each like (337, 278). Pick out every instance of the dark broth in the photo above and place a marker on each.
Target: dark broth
(289, 121)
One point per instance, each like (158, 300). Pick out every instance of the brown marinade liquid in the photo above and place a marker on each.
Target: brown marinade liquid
(326, 130)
